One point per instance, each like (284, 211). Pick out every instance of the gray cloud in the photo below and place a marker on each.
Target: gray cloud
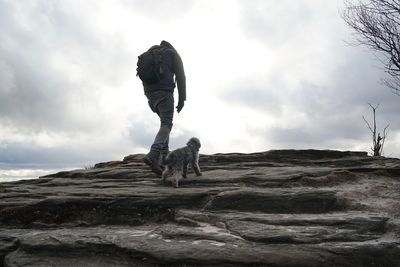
(139, 133)
(37, 40)
(265, 96)
(53, 68)
(358, 83)
(276, 23)
(55, 63)
(332, 111)
(161, 10)
(23, 152)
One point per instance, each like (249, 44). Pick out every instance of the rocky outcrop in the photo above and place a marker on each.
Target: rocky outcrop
(275, 208)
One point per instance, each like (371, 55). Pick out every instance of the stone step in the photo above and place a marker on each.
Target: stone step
(169, 244)
(263, 177)
(277, 200)
(141, 204)
(250, 176)
(293, 228)
(348, 219)
(75, 206)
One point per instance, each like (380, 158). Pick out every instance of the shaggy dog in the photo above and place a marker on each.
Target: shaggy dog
(176, 162)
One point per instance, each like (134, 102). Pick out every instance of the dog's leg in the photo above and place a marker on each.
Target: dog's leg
(195, 165)
(165, 173)
(176, 180)
(185, 169)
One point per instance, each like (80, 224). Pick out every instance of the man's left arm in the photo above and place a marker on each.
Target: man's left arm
(181, 80)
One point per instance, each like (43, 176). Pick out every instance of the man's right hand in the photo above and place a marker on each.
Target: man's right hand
(180, 105)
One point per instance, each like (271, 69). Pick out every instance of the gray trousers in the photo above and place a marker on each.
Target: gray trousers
(162, 103)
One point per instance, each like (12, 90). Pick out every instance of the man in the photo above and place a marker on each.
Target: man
(160, 96)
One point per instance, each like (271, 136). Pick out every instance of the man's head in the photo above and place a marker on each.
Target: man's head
(166, 44)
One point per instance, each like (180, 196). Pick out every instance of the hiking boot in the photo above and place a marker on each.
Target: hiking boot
(153, 161)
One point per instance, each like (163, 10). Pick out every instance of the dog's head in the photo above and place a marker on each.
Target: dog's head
(194, 143)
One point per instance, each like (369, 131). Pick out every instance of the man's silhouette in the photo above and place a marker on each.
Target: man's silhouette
(160, 96)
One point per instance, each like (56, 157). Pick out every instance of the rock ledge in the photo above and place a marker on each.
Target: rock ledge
(274, 208)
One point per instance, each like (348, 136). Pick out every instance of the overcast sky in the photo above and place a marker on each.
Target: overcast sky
(261, 75)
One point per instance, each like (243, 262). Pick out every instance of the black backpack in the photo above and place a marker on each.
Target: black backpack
(150, 66)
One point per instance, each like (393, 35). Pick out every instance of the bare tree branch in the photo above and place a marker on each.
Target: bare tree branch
(376, 24)
(369, 126)
(385, 132)
(378, 141)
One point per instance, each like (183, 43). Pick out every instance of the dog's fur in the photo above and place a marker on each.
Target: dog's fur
(176, 162)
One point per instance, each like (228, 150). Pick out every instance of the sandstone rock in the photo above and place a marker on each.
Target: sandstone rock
(274, 208)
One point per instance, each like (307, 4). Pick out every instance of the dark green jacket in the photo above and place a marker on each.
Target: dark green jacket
(174, 68)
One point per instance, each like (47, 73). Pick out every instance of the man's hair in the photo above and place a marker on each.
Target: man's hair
(166, 44)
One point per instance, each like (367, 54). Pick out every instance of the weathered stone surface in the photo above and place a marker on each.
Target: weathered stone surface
(274, 200)
(275, 208)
